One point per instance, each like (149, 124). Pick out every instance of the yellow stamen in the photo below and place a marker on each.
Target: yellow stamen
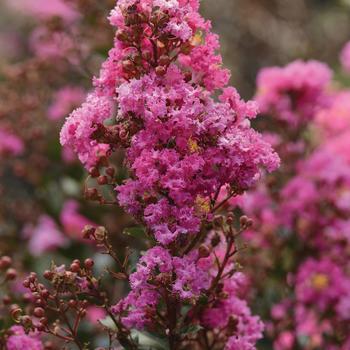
(320, 281)
(193, 146)
(203, 204)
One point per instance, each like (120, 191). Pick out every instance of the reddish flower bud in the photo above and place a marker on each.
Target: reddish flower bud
(39, 312)
(128, 65)
(11, 274)
(160, 71)
(203, 251)
(94, 172)
(74, 267)
(6, 300)
(88, 231)
(26, 283)
(89, 263)
(110, 171)
(48, 275)
(243, 220)
(5, 262)
(102, 180)
(164, 60)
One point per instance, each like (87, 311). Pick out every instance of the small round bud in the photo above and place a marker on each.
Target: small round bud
(26, 321)
(5, 262)
(32, 277)
(92, 193)
(110, 171)
(26, 283)
(102, 180)
(94, 172)
(88, 231)
(48, 275)
(39, 312)
(160, 71)
(243, 220)
(164, 60)
(39, 302)
(128, 65)
(89, 263)
(250, 222)
(229, 220)
(74, 267)
(6, 300)
(11, 274)
(27, 297)
(45, 293)
(203, 251)
(72, 303)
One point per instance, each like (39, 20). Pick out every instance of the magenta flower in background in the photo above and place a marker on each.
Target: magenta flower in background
(44, 237)
(72, 221)
(43, 9)
(64, 101)
(19, 340)
(295, 92)
(10, 144)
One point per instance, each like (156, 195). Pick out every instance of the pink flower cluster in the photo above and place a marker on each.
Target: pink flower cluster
(154, 98)
(155, 269)
(44, 237)
(19, 340)
(233, 312)
(293, 93)
(193, 277)
(307, 220)
(10, 144)
(47, 236)
(42, 9)
(80, 125)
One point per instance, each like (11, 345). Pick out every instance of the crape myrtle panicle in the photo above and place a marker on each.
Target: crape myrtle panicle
(162, 97)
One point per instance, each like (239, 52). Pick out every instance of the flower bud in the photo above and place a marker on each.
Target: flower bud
(203, 251)
(94, 172)
(243, 220)
(128, 65)
(39, 312)
(6, 300)
(110, 171)
(5, 262)
(11, 274)
(88, 231)
(102, 180)
(160, 71)
(48, 275)
(74, 267)
(164, 60)
(89, 263)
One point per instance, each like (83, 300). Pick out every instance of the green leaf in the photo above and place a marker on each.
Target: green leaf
(150, 341)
